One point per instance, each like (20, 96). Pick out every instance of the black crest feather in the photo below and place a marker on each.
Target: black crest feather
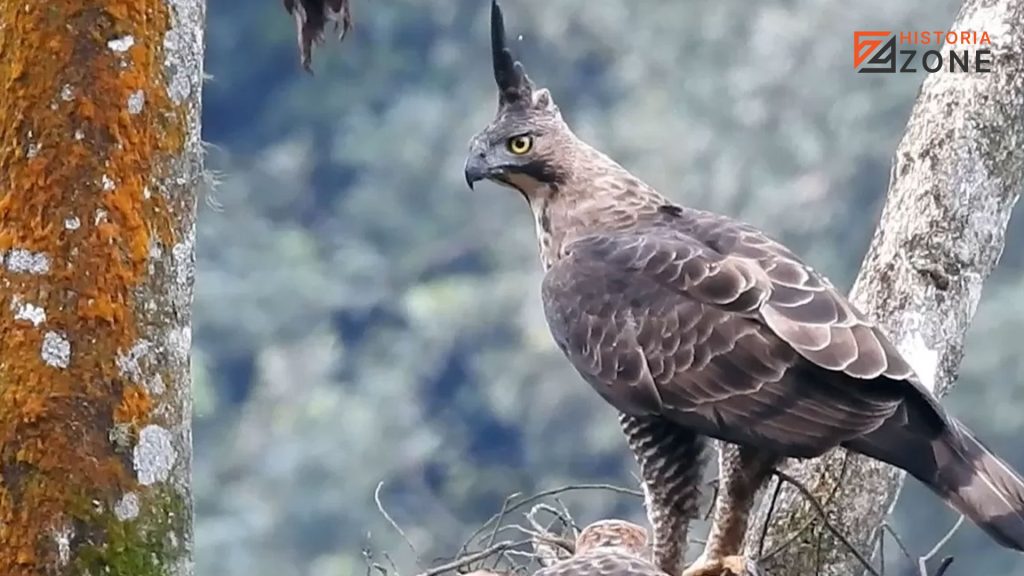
(513, 84)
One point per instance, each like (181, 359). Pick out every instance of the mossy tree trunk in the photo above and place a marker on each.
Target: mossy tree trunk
(99, 168)
(956, 176)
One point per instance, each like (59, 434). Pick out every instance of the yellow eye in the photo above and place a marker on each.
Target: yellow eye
(520, 145)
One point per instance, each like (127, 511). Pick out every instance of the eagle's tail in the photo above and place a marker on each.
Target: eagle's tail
(962, 471)
(981, 485)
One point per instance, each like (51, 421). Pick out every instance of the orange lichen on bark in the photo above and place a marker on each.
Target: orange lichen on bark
(134, 407)
(75, 163)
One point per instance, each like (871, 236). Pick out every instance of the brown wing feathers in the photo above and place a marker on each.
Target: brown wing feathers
(739, 340)
(720, 372)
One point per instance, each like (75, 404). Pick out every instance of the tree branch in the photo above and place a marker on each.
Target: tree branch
(955, 178)
(509, 507)
(922, 562)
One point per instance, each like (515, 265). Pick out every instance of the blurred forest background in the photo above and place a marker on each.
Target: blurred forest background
(361, 316)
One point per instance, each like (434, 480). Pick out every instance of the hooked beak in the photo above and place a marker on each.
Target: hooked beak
(476, 169)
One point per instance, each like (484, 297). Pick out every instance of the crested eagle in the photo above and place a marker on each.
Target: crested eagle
(694, 325)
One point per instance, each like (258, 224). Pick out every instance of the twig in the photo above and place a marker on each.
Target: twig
(540, 496)
(391, 562)
(563, 543)
(922, 562)
(384, 513)
(531, 518)
(566, 517)
(789, 540)
(944, 565)
(881, 552)
(562, 516)
(372, 564)
(714, 483)
(501, 515)
(518, 569)
(808, 523)
(545, 536)
(530, 556)
(824, 518)
(817, 554)
(474, 557)
(768, 518)
(899, 542)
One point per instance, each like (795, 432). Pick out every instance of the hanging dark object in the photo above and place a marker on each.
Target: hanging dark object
(311, 19)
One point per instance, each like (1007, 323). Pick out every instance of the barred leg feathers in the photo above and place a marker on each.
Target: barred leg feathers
(672, 461)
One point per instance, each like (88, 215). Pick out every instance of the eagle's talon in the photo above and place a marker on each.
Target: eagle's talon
(741, 566)
(727, 566)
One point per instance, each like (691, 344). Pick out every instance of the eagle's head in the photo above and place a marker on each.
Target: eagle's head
(523, 145)
(620, 534)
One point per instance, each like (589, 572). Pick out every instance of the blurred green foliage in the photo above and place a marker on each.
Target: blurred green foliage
(362, 317)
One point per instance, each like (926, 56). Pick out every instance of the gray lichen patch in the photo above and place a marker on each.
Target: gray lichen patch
(62, 539)
(156, 251)
(128, 361)
(183, 49)
(56, 350)
(183, 254)
(179, 342)
(127, 508)
(155, 385)
(122, 43)
(24, 261)
(28, 311)
(136, 101)
(120, 435)
(154, 455)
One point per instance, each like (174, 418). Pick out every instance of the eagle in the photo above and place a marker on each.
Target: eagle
(697, 326)
(607, 547)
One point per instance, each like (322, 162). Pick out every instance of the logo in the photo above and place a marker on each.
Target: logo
(882, 51)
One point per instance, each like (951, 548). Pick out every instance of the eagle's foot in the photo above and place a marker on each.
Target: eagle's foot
(727, 566)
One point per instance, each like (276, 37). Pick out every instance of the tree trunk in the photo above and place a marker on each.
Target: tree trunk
(955, 178)
(99, 166)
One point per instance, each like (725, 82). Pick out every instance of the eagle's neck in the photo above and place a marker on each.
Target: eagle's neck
(608, 200)
(591, 193)
(549, 239)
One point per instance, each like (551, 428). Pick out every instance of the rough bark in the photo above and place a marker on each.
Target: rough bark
(956, 175)
(99, 167)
